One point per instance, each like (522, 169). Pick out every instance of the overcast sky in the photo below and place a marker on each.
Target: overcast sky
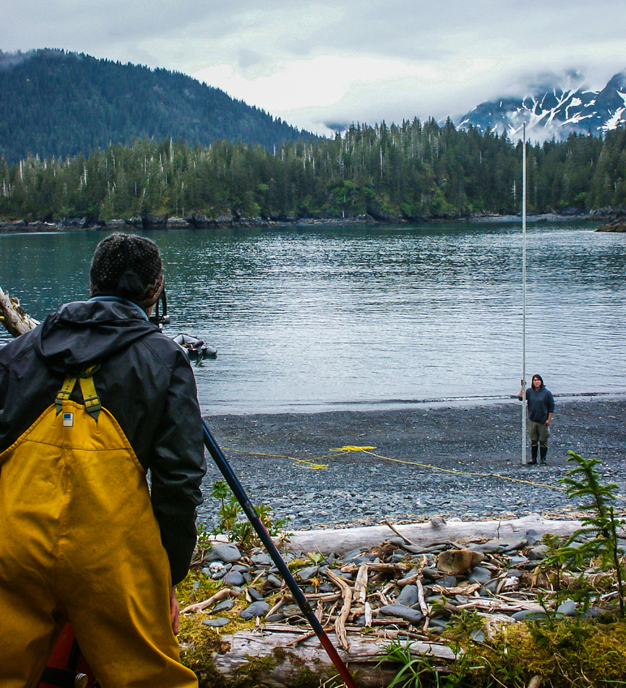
(316, 63)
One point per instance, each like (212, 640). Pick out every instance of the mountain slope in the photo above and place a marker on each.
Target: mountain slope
(552, 111)
(57, 103)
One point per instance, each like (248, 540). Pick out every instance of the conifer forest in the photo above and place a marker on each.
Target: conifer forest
(412, 171)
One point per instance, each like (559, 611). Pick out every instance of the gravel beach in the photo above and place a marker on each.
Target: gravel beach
(461, 461)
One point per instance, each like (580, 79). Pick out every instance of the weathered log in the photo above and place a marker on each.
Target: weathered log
(291, 654)
(15, 319)
(422, 534)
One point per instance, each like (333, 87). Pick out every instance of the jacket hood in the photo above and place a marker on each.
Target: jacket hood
(85, 332)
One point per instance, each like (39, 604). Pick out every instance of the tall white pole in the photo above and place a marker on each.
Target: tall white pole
(524, 451)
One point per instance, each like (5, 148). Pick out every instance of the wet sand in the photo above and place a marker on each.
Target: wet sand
(472, 457)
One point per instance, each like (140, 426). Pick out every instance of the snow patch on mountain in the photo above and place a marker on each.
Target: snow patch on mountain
(554, 110)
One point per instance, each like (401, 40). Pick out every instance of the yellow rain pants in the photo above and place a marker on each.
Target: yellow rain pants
(79, 542)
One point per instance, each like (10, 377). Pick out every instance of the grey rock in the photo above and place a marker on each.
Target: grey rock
(508, 544)
(216, 623)
(255, 594)
(216, 570)
(291, 610)
(485, 548)
(518, 560)
(224, 606)
(538, 553)
(261, 559)
(255, 609)
(274, 581)
(275, 618)
(528, 615)
(533, 538)
(224, 551)
(234, 578)
(408, 596)
(477, 635)
(402, 612)
(567, 608)
(240, 568)
(352, 554)
(431, 574)
(447, 582)
(364, 558)
(492, 586)
(480, 575)
(438, 623)
(307, 573)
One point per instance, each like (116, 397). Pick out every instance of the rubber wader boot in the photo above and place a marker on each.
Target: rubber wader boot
(543, 451)
(533, 455)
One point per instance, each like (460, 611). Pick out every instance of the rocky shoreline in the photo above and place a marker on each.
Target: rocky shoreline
(450, 461)
(149, 222)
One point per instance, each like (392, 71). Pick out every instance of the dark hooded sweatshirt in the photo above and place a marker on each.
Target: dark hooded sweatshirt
(144, 380)
(540, 404)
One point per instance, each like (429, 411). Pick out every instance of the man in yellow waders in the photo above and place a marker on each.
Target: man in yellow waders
(90, 401)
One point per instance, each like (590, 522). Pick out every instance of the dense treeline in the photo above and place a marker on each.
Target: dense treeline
(56, 104)
(414, 170)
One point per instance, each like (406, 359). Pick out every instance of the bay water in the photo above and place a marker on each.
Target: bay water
(359, 317)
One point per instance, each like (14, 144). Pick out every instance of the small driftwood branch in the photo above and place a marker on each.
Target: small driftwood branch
(398, 533)
(221, 595)
(340, 624)
(14, 318)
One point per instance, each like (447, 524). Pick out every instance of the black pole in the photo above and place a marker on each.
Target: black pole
(298, 595)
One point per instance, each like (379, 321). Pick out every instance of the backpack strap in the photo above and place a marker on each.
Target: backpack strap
(87, 388)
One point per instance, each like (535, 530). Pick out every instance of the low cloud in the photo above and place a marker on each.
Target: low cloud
(341, 61)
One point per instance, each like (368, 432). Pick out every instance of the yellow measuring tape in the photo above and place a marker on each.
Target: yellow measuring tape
(311, 464)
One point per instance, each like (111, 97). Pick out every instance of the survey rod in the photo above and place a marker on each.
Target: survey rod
(241, 496)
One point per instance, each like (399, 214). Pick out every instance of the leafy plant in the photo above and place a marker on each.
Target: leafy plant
(413, 669)
(600, 524)
(233, 523)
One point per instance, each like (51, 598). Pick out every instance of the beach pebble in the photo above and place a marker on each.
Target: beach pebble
(402, 612)
(567, 608)
(220, 622)
(307, 573)
(255, 594)
(223, 551)
(255, 609)
(223, 606)
(528, 615)
(275, 618)
(274, 581)
(538, 553)
(480, 575)
(447, 582)
(408, 596)
(234, 578)
(261, 559)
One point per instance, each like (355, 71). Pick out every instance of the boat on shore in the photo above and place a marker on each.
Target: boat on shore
(195, 348)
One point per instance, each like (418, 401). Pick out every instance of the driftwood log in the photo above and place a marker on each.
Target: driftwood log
(343, 540)
(15, 319)
(290, 655)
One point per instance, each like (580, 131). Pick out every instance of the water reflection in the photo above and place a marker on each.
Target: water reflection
(304, 318)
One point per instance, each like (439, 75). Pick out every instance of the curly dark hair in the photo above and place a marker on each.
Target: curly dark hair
(128, 266)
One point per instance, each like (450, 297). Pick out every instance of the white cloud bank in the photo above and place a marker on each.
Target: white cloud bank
(312, 63)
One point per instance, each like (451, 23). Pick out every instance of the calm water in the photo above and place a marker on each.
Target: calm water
(352, 317)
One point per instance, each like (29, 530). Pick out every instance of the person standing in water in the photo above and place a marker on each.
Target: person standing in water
(540, 403)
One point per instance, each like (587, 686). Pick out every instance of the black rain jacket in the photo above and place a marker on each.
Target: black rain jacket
(144, 380)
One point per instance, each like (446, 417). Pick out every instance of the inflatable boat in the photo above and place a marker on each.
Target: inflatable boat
(195, 347)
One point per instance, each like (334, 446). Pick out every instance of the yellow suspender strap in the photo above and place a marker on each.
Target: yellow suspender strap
(90, 396)
(65, 392)
(88, 389)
